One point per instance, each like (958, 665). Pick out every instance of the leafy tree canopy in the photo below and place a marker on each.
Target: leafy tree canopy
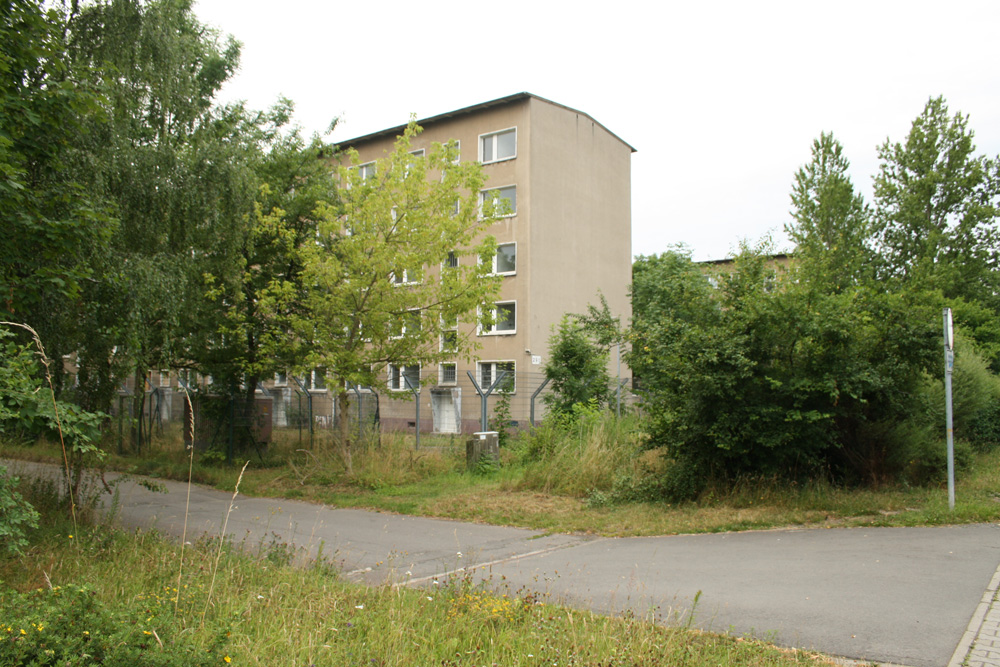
(380, 288)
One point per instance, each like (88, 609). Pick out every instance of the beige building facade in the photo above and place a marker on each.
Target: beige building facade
(567, 238)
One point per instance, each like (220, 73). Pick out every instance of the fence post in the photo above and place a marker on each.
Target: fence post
(357, 395)
(309, 404)
(531, 412)
(416, 398)
(483, 396)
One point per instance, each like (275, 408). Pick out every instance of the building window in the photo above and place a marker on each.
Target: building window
(449, 341)
(366, 171)
(164, 378)
(504, 316)
(498, 146)
(489, 371)
(404, 377)
(452, 261)
(500, 202)
(406, 323)
(317, 380)
(281, 379)
(505, 261)
(419, 153)
(187, 378)
(405, 277)
(448, 373)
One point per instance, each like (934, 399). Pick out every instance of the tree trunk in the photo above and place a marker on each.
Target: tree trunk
(343, 408)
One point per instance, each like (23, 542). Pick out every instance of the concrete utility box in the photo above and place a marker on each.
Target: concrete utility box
(482, 443)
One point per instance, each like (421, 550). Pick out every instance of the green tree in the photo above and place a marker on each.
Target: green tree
(937, 207)
(380, 288)
(242, 332)
(55, 222)
(832, 226)
(936, 211)
(577, 367)
(175, 170)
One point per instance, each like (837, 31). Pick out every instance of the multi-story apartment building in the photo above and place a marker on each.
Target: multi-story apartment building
(566, 179)
(564, 238)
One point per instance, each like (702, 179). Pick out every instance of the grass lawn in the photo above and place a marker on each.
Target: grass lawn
(135, 598)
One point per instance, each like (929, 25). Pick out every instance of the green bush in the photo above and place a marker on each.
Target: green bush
(974, 390)
(16, 515)
(576, 368)
(984, 428)
(70, 626)
(771, 376)
(27, 408)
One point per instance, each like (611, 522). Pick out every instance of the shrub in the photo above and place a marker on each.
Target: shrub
(769, 376)
(576, 367)
(27, 409)
(70, 626)
(16, 515)
(984, 428)
(974, 391)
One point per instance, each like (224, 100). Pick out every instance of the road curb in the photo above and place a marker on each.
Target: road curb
(975, 637)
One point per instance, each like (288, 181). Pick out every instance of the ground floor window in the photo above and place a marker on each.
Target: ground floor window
(489, 371)
(448, 373)
(404, 377)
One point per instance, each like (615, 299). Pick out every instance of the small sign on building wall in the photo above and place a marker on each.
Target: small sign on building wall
(536, 359)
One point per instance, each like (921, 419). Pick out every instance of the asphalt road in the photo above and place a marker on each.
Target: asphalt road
(896, 595)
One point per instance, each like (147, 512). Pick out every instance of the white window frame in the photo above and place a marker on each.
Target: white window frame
(398, 384)
(493, 331)
(366, 170)
(418, 152)
(441, 373)
(497, 254)
(188, 376)
(446, 332)
(164, 380)
(313, 375)
(281, 379)
(492, 139)
(406, 278)
(494, 371)
(403, 329)
(483, 194)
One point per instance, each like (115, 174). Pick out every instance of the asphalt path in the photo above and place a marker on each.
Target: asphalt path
(903, 596)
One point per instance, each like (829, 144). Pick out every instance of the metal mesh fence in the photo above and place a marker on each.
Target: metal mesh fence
(413, 401)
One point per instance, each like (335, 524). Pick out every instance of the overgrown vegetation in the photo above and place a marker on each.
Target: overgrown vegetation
(830, 368)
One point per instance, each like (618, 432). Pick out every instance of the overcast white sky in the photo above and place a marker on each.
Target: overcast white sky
(721, 99)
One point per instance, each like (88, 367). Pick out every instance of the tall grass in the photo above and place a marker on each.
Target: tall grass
(579, 456)
(265, 613)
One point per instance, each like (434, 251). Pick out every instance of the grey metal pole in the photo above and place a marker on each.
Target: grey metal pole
(531, 416)
(949, 365)
(416, 398)
(483, 395)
